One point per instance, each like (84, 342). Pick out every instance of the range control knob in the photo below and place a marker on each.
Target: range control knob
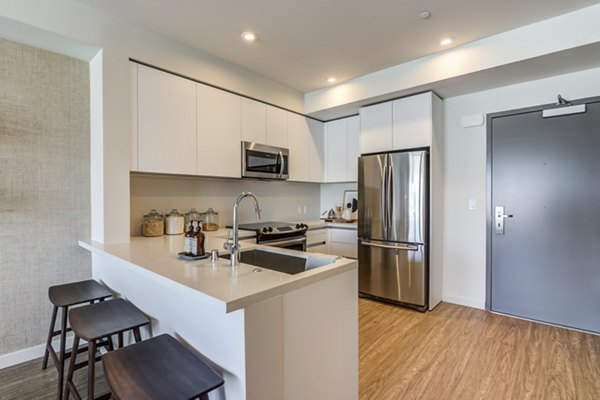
(298, 226)
(264, 230)
(270, 229)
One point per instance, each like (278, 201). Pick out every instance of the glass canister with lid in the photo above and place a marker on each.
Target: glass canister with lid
(192, 215)
(154, 224)
(210, 220)
(174, 223)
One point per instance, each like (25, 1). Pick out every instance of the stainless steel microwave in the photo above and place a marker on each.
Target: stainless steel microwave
(262, 161)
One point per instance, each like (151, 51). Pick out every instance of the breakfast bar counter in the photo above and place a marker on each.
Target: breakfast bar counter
(271, 335)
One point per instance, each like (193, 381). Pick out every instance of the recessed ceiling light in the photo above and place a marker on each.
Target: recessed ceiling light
(446, 41)
(331, 79)
(425, 14)
(249, 36)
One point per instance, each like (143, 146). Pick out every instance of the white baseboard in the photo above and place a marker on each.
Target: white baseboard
(31, 353)
(464, 301)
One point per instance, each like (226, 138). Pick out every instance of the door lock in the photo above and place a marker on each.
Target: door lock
(499, 217)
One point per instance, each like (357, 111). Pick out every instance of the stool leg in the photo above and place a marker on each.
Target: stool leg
(61, 356)
(91, 368)
(49, 341)
(120, 336)
(137, 335)
(72, 361)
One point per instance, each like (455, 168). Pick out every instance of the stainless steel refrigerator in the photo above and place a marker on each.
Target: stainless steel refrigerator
(393, 222)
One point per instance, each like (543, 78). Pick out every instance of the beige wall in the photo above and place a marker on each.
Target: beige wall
(279, 201)
(44, 185)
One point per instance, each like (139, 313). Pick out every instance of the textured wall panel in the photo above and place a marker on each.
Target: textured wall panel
(44, 186)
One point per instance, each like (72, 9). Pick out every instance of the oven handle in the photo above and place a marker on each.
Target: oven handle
(283, 243)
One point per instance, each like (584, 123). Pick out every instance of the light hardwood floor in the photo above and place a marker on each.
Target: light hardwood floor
(463, 353)
(451, 353)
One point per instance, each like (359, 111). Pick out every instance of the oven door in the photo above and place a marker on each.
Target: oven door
(297, 243)
(261, 161)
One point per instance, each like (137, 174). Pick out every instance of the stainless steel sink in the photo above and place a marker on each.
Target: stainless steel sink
(283, 261)
(286, 263)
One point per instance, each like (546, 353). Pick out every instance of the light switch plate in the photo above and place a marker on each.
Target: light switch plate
(472, 204)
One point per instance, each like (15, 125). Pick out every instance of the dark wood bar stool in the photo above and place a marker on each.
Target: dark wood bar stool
(63, 297)
(96, 324)
(160, 368)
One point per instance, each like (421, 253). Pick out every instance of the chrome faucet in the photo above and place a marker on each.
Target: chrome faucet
(233, 246)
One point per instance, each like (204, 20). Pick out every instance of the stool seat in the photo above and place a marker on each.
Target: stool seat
(97, 323)
(63, 297)
(106, 318)
(70, 294)
(160, 368)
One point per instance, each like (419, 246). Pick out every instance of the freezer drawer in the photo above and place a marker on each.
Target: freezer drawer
(394, 272)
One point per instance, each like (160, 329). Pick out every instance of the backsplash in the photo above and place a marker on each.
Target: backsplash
(284, 201)
(332, 194)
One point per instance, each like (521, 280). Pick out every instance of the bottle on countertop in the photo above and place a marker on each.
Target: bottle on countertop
(189, 238)
(199, 236)
(174, 224)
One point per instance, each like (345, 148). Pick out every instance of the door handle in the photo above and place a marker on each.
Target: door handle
(499, 217)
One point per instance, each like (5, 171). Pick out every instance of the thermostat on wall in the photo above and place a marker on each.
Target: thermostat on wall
(472, 121)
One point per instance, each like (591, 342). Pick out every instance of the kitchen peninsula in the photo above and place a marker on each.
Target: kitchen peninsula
(266, 332)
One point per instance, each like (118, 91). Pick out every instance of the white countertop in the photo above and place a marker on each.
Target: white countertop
(230, 288)
(320, 224)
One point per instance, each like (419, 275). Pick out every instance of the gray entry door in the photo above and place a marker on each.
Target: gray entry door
(545, 172)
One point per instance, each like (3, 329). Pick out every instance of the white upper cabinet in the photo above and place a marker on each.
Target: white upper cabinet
(277, 127)
(179, 126)
(412, 121)
(376, 128)
(219, 133)
(353, 134)
(133, 70)
(316, 154)
(298, 144)
(254, 121)
(397, 125)
(305, 142)
(336, 150)
(166, 112)
(341, 149)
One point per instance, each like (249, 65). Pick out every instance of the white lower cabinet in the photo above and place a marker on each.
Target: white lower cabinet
(334, 241)
(343, 242)
(317, 241)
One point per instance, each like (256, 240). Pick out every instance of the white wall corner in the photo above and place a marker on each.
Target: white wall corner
(464, 301)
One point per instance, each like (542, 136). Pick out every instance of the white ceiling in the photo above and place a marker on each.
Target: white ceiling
(302, 42)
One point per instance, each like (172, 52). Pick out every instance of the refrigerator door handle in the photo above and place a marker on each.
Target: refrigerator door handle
(384, 199)
(409, 247)
(390, 194)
